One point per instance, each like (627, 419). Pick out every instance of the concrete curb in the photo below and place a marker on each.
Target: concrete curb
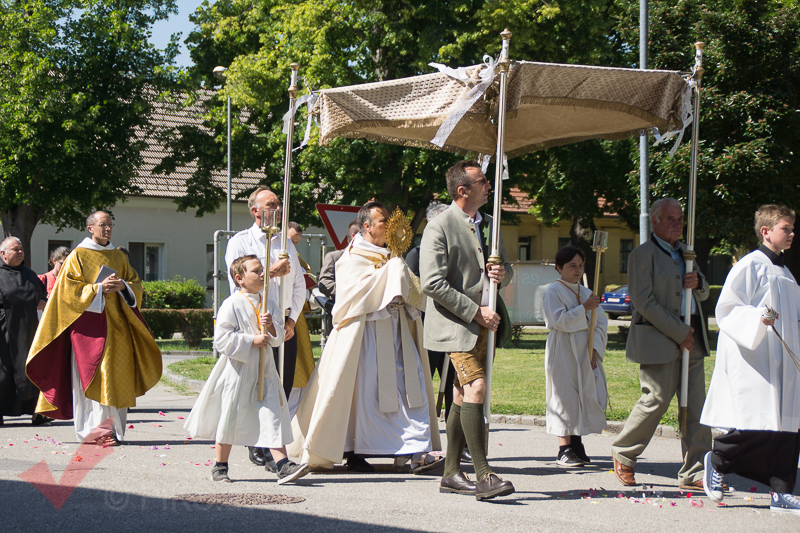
(192, 384)
(613, 427)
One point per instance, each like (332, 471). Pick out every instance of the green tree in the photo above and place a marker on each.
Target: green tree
(345, 42)
(80, 78)
(749, 123)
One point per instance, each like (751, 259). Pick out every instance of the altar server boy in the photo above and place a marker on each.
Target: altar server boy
(228, 409)
(755, 388)
(575, 380)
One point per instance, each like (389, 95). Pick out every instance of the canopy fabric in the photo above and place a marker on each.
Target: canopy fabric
(547, 105)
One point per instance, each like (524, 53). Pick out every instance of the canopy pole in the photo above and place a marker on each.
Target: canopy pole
(287, 181)
(495, 258)
(690, 256)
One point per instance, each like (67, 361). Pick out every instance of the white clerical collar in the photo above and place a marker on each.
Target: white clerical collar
(362, 243)
(89, 243)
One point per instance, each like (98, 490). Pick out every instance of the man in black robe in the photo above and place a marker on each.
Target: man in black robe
(21, 293)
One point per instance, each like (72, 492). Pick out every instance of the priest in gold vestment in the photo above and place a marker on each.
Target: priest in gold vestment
(93, 354)
(371, 394)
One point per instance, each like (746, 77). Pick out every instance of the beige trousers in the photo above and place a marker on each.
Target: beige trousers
(660, 383)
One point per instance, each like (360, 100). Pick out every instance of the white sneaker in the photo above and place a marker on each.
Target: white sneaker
(712, 481)
(784, 503)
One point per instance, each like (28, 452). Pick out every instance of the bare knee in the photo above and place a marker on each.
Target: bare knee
(475, 391)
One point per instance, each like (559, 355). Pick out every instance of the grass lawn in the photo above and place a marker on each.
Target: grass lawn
(518, 377)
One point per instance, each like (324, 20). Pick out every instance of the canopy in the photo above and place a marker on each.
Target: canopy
(547, 105)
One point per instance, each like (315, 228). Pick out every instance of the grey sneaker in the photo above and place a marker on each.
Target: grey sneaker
(569, 459)
(784, 503)
(271, 466)
(712, 481)
(291, 472)
(220, 473)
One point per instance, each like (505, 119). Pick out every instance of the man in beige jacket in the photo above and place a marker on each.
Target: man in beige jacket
(455, 275)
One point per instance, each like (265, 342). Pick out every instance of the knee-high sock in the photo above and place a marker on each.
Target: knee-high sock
(475, 433)
(455, 442)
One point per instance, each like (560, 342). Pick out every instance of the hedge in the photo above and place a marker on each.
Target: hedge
(173, 294)
(194, 324)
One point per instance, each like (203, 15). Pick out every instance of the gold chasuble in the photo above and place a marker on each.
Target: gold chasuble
(305, 354)
(116, 356)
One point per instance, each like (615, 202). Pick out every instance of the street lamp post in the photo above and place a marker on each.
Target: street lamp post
(221, 73)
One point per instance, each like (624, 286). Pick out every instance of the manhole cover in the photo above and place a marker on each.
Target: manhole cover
(240, 499)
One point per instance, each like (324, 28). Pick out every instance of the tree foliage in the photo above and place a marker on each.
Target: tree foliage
(78, 84)
(345, 42)
(749, 121)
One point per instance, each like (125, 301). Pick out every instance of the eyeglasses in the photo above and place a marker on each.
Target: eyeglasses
(103, 226)
(482, 181)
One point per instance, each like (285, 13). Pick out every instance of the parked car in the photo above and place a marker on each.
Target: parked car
(616, 303)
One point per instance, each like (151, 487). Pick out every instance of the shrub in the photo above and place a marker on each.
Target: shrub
(162, 323)
(710, 304)
(174, 294)
(194, 324)
(198, 323)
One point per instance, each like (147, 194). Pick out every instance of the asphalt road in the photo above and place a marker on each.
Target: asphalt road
(49, 483)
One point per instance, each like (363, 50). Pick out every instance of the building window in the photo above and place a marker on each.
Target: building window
(524, 248)
(564, 241)
(625, 247)
(148, 260)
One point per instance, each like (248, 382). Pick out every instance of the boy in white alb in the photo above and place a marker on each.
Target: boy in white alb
(575, 382)
(228, 409)
(755, 389)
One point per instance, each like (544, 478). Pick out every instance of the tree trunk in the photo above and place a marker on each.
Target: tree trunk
(581, 234)
(20, 221)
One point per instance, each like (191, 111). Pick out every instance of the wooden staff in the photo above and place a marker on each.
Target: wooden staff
(442, 386)
(269, 225)
(600, 245)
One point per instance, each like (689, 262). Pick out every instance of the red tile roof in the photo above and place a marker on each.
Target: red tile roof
(168, 115)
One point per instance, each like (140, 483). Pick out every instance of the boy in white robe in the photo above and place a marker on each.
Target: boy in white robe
(755, 388)
(228, 408)
(575, 383)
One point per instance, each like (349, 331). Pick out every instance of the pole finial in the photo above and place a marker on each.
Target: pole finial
(699, 45)
(506, 34)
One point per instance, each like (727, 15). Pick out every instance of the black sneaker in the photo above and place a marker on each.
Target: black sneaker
(569, 459)
(580, 452)
(220, 473)
(291, 472)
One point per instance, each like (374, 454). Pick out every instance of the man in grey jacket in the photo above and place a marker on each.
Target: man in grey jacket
(455, 274)
(656, 339)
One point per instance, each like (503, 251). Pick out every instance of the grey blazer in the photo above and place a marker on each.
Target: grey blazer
(327, 274)
(452, 259)
(655, 286)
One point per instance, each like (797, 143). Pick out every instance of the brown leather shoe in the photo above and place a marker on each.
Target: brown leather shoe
(698, 485)
(625, 473)
(457, 484)
(491, 486)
